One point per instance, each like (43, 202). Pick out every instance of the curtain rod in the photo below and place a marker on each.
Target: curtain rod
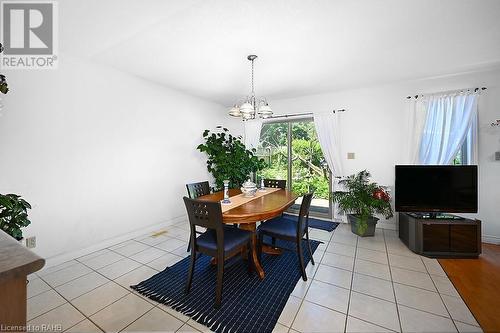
(448, 91)
(299, 114)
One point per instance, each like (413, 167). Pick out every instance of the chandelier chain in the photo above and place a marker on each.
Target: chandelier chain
(253, 92)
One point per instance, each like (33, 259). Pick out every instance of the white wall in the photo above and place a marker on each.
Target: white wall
(97, 152)
(374, 128)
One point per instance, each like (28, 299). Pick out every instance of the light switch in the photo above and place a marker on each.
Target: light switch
(351, 156)
(497, 156)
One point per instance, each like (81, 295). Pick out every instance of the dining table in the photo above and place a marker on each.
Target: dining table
(247, 212)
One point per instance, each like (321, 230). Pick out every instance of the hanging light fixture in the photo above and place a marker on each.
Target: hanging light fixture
(251, 107)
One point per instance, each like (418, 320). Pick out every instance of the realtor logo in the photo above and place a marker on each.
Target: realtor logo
(29, 34)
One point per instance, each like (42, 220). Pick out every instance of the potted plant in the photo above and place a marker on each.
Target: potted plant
(361, 201)
(13, 215)
(4, 88)
(229, 159)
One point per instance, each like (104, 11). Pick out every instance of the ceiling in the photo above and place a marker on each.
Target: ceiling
(304, 46)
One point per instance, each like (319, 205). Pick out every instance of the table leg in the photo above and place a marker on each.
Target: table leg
(252, 227)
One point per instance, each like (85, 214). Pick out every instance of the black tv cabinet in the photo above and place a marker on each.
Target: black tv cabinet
(441, 237)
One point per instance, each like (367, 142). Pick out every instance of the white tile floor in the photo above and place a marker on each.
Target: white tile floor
(357, 285)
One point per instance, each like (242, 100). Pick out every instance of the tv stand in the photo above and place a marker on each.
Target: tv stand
(440, 236)
(440, 216)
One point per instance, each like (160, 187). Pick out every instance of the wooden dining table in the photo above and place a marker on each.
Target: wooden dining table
(259, 209)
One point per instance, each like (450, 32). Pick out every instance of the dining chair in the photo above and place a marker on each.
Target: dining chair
(217, 241)
(290, 229)
(196, 190)
(275, 183)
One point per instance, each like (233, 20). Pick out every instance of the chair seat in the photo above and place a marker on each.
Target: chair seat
(233, 239)
(280, 227)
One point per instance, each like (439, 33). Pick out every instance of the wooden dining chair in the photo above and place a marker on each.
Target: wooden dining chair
(275, 183)
(291, 229)
(196, 190)
(217, 241)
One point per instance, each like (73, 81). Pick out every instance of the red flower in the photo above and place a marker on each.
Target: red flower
(380, 194)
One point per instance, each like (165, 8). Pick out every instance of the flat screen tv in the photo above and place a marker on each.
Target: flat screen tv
(436, 188)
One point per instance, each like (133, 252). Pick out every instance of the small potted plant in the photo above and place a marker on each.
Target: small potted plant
(361, 201)
(13, 215)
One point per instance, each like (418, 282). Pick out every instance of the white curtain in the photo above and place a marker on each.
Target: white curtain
(472, 141)
(416, 120)
(449, 119)
(252, 133)
(328, 130)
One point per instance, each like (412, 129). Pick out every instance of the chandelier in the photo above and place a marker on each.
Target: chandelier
(251, 107)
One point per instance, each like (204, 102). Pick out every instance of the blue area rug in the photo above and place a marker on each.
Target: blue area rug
(317, 223)
(249, 304)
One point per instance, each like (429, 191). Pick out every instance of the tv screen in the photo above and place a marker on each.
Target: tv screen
(432, 188)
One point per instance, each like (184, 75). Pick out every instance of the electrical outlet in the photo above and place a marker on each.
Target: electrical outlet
(497, 156)
(31, 242)
(351, 156)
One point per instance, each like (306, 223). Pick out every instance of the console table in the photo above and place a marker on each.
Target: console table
(441, 238)
(16, 263)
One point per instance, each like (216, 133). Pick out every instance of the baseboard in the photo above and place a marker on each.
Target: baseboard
(490, 239)
(59, 259)
(386, 225)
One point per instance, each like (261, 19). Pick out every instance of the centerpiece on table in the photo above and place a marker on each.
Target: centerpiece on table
(249, 189)
(362, 200)
(228, 159)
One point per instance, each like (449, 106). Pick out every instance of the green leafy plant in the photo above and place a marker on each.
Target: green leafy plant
(363, 198)
(4, 87)
(13, 214)
(229, 159)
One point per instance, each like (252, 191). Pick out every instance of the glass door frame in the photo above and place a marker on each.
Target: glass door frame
(290, 121)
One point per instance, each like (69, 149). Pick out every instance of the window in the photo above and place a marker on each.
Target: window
(461, 158)
(292, 151)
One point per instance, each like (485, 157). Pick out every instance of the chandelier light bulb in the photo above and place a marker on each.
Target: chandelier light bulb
(235, 111)
(246, 108)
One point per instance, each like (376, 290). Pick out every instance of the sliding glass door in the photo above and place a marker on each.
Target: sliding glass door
(292, 152)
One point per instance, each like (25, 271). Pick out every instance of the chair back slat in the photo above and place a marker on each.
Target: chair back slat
(275, 183)
(303, 218)
(196, 190)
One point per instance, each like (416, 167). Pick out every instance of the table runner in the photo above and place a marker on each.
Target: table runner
(240, 199)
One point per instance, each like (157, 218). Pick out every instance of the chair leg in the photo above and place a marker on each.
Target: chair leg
(250, 257)
(191, 271)
(301, 260)
(259, 247)
(309, 247)
(220, 279)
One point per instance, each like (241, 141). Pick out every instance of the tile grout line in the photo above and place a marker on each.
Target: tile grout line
(393, 289)
(352, 282)
(459, 295)
(94, 270)
(440, 297)
(89, 291)
(302, 299)
(69, 302)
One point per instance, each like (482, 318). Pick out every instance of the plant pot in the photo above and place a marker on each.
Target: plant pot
(362, 229)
